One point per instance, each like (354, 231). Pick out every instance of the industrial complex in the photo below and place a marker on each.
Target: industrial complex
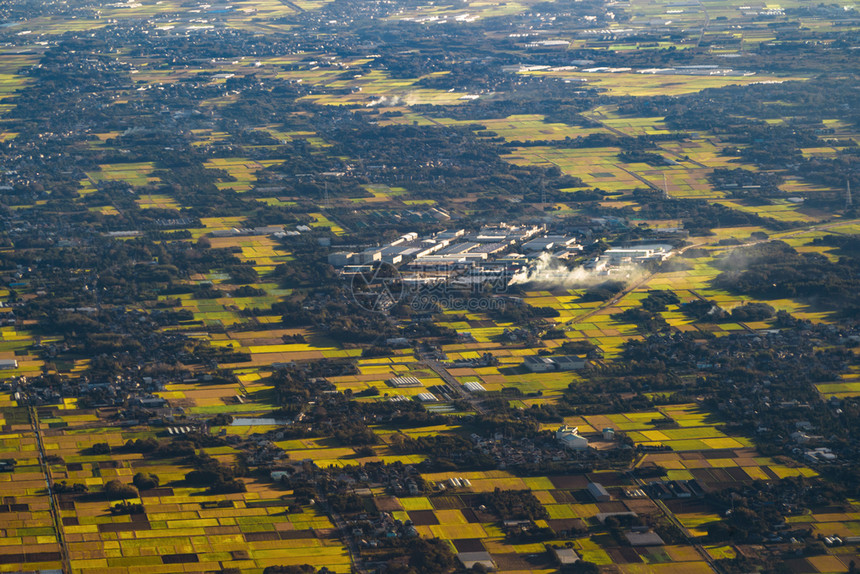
(493, 252)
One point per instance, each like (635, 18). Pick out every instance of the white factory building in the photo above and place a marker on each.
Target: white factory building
(637, 254)
(570, 437)
(446, 249)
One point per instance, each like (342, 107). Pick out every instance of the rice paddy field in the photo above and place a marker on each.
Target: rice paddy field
(626, 83)
(184, 527)
(10, 82)
(526, 127)
(253, 15)
(731, 10)
(243, 171)
(30, 537)
(469, 11)
(131, 173)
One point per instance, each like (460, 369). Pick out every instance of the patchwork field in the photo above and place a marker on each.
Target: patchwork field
(180, 524)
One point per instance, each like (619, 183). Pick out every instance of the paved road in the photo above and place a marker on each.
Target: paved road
(346, 537)
(55, 506)
(681, 528)
(705, 25)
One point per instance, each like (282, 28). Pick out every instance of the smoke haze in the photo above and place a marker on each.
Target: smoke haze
(550, 272)
(409, 99)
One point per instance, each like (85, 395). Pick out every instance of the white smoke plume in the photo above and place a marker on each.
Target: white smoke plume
(408, 99)
(384, 102)
(548, 271)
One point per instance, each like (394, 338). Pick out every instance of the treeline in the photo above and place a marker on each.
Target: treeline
(517, 311)
(709, 312)
(462, 164)
(513, 504)
(698, 216)
(775, 270)
(218, 477)
(755, 510)
(445, 452)
(647, 317)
